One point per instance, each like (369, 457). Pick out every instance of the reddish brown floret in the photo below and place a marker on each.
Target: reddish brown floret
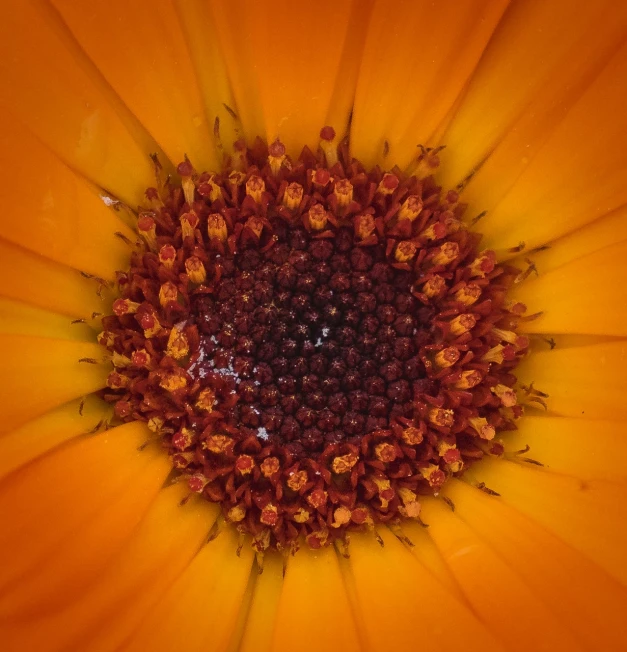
(317, 346)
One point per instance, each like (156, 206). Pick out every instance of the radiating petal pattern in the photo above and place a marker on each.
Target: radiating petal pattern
(403, 92)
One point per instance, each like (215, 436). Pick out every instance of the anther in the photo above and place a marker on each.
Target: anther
(468, 294)
(178, 346)
(447, 357)
(168, 292)
(441, 417)
(167, 255)
(276, 156)
(445, 253)
(124, 307)
(482, 427)
(189, 222)
(216, 227)
(462, 323)
(255, 187)
(195, 270)
(343, 192)
(147, 228)
(483, 265)
(364, 226)
(434, 286)
(293, 196)
(410, 208)
(318, 217)
(328, 146)
(468, 379)
(388, 184)
(405, 251)
(186, 171)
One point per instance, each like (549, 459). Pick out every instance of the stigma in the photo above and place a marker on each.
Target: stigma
(316, 345)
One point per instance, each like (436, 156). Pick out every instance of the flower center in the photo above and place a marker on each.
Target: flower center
(317, 345)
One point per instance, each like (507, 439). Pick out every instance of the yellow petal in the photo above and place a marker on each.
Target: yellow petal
(417, 58)
(531, 72)
(200, 609)
(39, 374)
(58, 216)
(589, 516)
(258, 629)
(34, 280)
(497, 594)
(159, 550)
(313, 593)
(578, 592)
(17, 318)
(48, 431)
(585, 296)
(145, 59)
(49, 85)
(586, 381)
(403, 607)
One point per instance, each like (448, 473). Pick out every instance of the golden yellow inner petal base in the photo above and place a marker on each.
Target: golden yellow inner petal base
(317, 345)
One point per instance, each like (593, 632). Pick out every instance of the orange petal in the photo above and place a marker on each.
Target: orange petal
(50, 86)
(69, 569)
(17, 318)
(539, 60)
(200, 609)
(585, 381)
(160, 549)
(39, 374)
(259, 626)
(402, 606)
(48, 431)
(201, 36)
(582, 448)
(578, 174)
(585, 296)
(417, 58)
(145, 59)
(283, 60)
(65, 489)
(48, 209)
(601, 233)
(589, 516)
(497, 594)
(579, 592)
(34, 280)
(313, 593)
(427, 552)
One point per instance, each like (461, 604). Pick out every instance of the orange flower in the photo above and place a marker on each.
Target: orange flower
(527, 549)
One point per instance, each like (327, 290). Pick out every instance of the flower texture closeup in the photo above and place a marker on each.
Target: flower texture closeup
(313, 324)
